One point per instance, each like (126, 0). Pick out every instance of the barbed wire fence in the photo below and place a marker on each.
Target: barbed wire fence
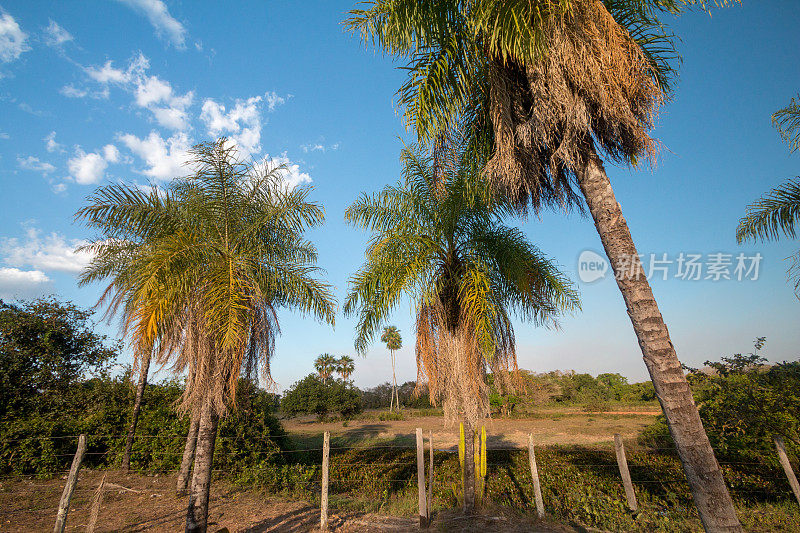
(377, 472)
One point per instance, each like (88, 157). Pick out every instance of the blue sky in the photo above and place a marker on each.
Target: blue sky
(96, 92)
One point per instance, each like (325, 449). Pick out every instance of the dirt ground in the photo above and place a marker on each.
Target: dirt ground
(135, 503)
(548, 428)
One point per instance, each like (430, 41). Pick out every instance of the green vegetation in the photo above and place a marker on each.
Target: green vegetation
(580, 485)
(315, 395)
(744, 403)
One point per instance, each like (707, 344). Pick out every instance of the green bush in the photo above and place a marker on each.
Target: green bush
(743, 403)
(311, 395)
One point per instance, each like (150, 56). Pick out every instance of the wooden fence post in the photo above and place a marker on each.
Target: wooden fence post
(622, 462)
(537, 488)
(72, 479)
(423, 503)
(787, 467)
(326, 450)
(430, 478)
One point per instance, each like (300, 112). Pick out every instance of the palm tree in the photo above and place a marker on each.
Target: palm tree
(548, 86)
(437, 239)
(777, 211)
(393, 341)
(137, 407)
(198, 269)
(325, 366)
(345, 366)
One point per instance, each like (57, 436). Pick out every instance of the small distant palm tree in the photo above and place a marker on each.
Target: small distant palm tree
(325, 365)
(438, 239)
(345, 366)
(777, 211)
(198, 270)
(393, 341)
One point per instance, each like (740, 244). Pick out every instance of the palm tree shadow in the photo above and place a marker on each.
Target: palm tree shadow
(301, 519)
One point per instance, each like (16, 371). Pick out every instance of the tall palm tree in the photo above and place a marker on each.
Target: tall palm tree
(198, 269)
(437, 239)
(137, 407)
(548, 86)
(325, 366)
(777, 211)
(394, 341)
(345, 366)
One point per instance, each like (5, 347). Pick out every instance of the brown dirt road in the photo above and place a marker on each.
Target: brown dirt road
(547, 428)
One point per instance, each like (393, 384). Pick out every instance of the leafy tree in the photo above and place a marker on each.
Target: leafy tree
(46, 346)
(345, 366)
(777, 211)
(548, 89)
(312, 395)
(744, 402)
(394, 341)
(437, 238)
(201, 267)
(325, 366)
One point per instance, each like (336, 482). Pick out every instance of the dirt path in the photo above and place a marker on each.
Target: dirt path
(548, 428)
(150, 505)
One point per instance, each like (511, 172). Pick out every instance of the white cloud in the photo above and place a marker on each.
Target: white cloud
(4, 135)
(34, 164)
(108, 74)
(273, 100)
(21, 284)
(150, 92)
(290, 172)
(164, 159)
(111, 153)
(12, 39)
(51, 144)
(70, 91)
(87, 168)
(157, 13)
(55, 35)
(90, 168)
(242, 123)
(51, 252)
(319, 147)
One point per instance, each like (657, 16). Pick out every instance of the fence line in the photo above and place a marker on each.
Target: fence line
(334, 461)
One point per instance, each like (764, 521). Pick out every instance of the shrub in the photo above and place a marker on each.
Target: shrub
(311, 395)
(743, 403)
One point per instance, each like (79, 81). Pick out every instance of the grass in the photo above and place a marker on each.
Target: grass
(580, 485)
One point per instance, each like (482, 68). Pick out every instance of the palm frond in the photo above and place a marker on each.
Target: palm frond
(772, 215)
(787, 122)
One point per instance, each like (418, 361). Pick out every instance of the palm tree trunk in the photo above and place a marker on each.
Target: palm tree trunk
(197, 513)
(394, 386)
(188, 456)
(711, 496)
(137, 406)
(469, 468)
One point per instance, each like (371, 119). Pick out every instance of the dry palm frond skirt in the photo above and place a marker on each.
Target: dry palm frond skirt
(212, 373)
(593, 82)
(453, 365)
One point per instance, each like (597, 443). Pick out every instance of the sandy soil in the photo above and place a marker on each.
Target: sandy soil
(548, 429)
(138, 503)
